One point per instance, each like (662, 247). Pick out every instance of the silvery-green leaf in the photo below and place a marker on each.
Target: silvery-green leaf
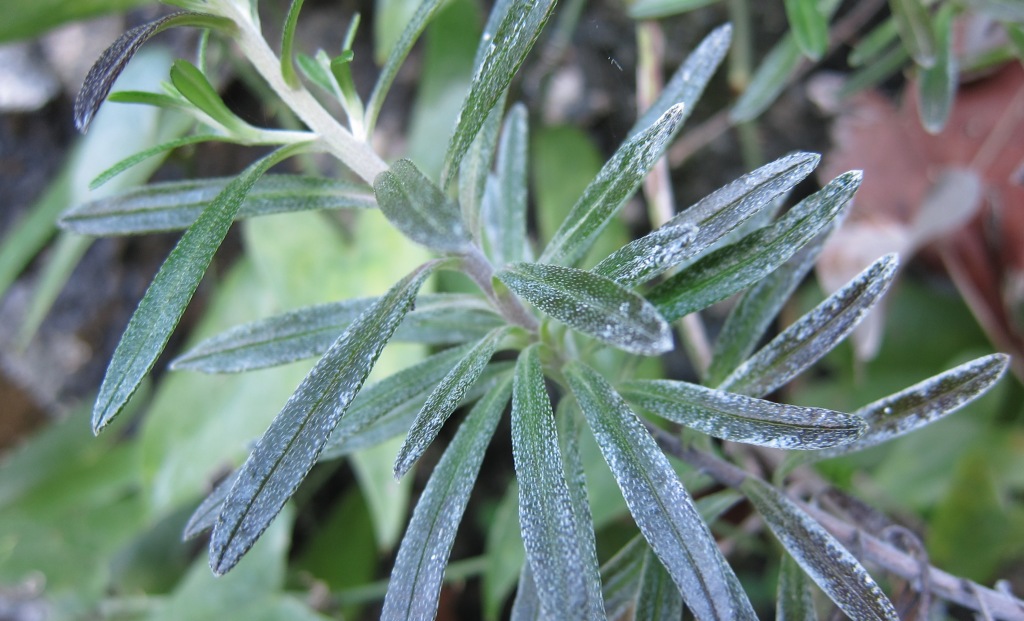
(735, 267)
(794, 601)
(111, 63)
(164, 302)
(936, 85)
(823, 558)
(756, 309)
(476, 169)
(415, 585)
(643, 259)
(609, 191)
(438, 319)
(687, 84)
(591, 304)
(419, 209)
(507, 47)
(175, 205)
(658, 597)
(924, 403)
(447, 396)
(744, 419)
(553, 532)
(526, 606)
(770, 78)
(914, 23)
(205, 515)
(132, 160)
(297, 435)
(809, 26)
(506, 217)
(813, 335)
(661, 506)
(621, 578)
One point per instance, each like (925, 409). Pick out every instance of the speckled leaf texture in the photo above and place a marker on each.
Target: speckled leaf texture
(295, 438)
(661, 506)
(505, 219)
(592, 304)
(825, 560)
(813, 335)
(415, 586)
(643, 259)
(418, 208)
(744, 419)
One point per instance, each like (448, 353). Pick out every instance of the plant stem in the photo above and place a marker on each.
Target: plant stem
(478, 268)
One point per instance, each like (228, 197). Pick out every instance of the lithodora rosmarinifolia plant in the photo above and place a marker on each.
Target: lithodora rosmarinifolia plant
(556, 316)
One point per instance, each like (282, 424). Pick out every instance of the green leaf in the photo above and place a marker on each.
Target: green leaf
(415, 585)
(643, 259)
(419, 209)
(661, 506)
(23, 20)
(809, 26)
(923, 403)
(510, 43)
(111, 63)
(871, 46)
(447, 396)
(475, 170)
(170, 145)
(744, 419)
(175, 205)
(813, 335)
(290, 447)
(936, 85)
(505, 554)
(146, 98)
(558, 549)
(737, 266)
(770, 78)
(205, 515)
(794, 601)
(823, 558)
(609, 191)
(591, 304)
(656, 9)
(527, 605)
(341, 71)
(505, 220)
(658, 597)
(193, 86)
(914, 24)
(621, 577)
(873, 73)
(307, 332)
(288, 44)
(164, 302)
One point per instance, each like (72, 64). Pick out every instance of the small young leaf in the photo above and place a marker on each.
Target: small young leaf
(294, 440)
(658, 597)
(794, 602)
(164, 302)
(447, 396)
(809, 27)
(111, 63)
(661, 506)
(610, 190)
(291, 21)
(643, 259)
(193, 85)
(591, 304)
(175, 205)
(936, 85)
(553, 532)
(914, 24)
(415, 585)
(205, 515)
(923, 403)
(813, 335)
(735, 267)
(419, 209)
(511, 41)
(824, 559)
(475, 171)
(438, 319)
(146, 98)
(744, 419)
(506, 218)
(341, 71)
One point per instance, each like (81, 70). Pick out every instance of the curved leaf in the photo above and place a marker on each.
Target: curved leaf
(415, 585)
(661, 506)
(294, 440)
(291, 21)
(744, 419)
(591, 304)
(643, 259)
(164, 302)
(419, 209)
(813, 335)
(193, 86)
(824, 559)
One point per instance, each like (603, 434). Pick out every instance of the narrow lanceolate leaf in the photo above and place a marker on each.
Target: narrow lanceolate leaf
(656, 9)
(205, 515)
(527, 605)
(725, 209)
(769, 80)
(438, 319)
(553, 533)
(476, 170)
(419, 209)
(924, 403)
(809, 27)
(936, 85)
(193, 85)
(621, 578)
(610, 190)
(591, 304)
(687, 83)
(873, 44)
(288, 44)
(507, 220)
(511, 41)
(658, 597)
(141, 156)
(164, 302)
(914, 24)
(643, 259)
(415, 585)
(176, 204)
(447, 396)
(813, 335)
(823, 558)
(744, 419)
(292, 443)
(661, 506)
(111, 63)
(737, 266)
(794, 601)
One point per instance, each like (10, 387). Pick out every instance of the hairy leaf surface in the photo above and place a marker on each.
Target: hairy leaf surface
(643, 259)
(506, 221)
(419, 209)
(658, 597)
(205, 515)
